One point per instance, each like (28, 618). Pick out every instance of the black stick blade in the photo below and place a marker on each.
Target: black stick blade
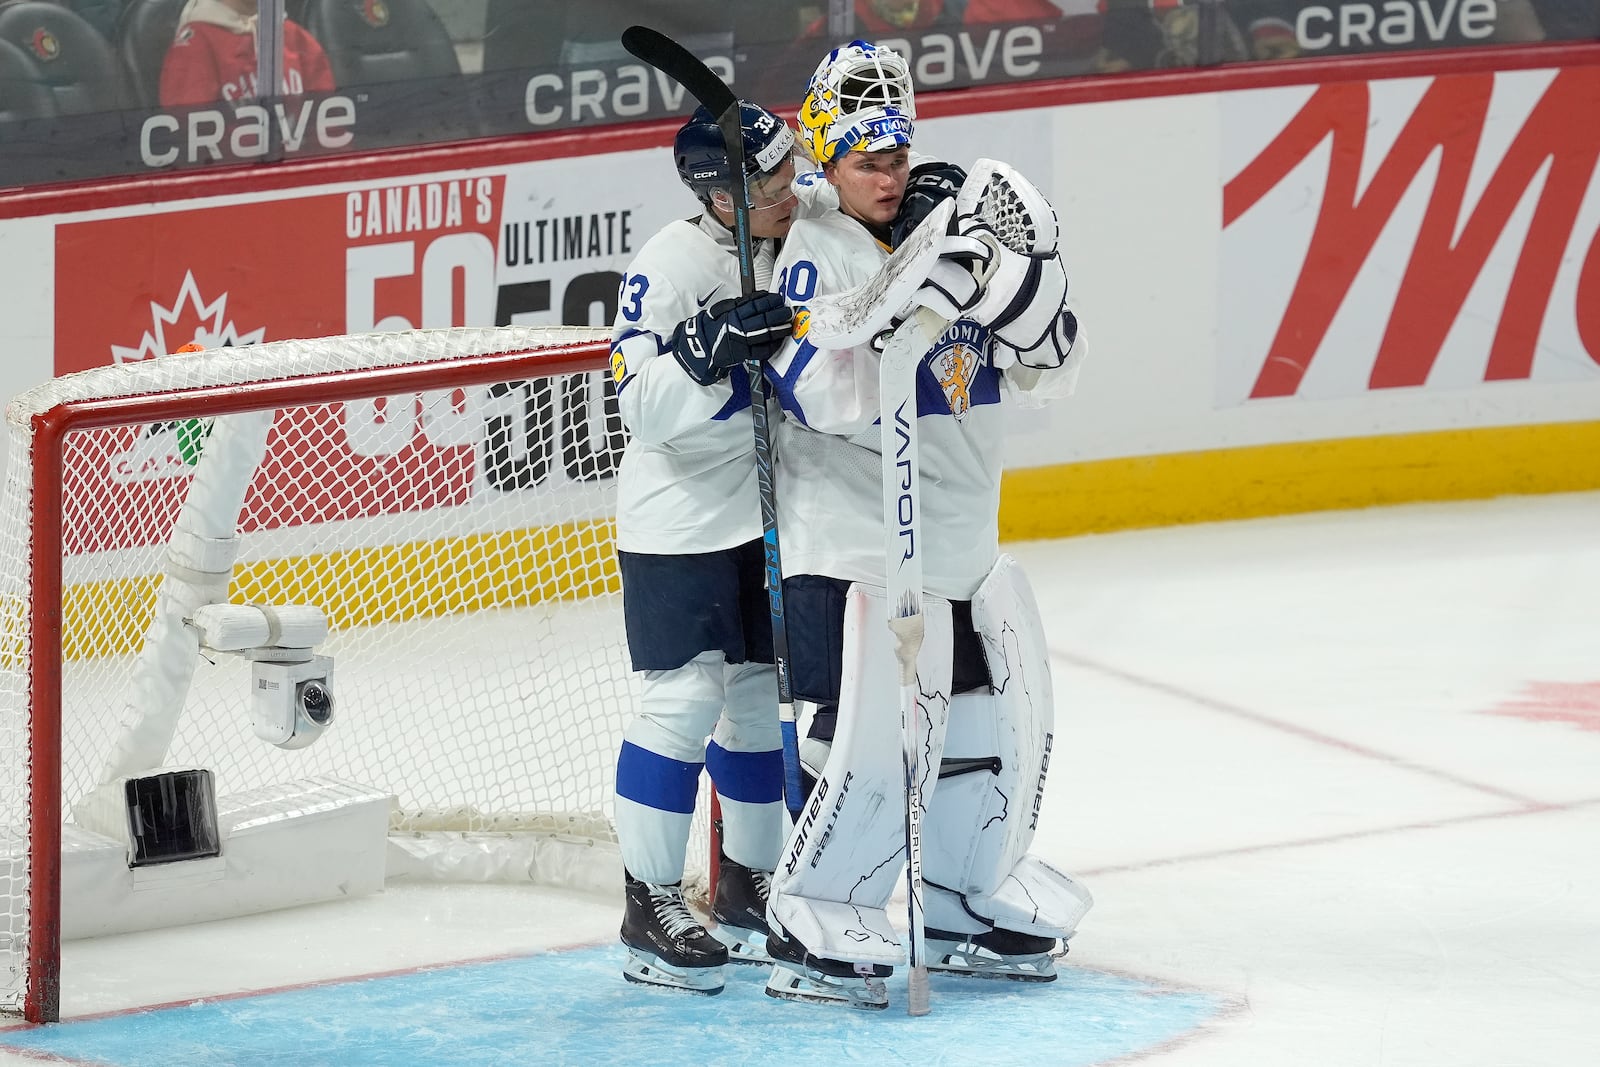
(681, 65)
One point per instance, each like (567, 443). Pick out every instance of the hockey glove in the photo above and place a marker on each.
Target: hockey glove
(952, 286)
(1023, 296)
(929, 184)
(731, 332)
(1048, 354)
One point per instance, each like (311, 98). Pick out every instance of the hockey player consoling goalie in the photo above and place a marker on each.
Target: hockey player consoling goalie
(689, 549)
(991, 908)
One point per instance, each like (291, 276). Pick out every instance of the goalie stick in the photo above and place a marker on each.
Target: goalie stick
(683, 67)
(1023, 221)
(897, 425)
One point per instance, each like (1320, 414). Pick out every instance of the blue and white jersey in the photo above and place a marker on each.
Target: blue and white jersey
(688, 477)
(830, 487)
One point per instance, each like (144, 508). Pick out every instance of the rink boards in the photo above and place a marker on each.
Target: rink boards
(1297, 294)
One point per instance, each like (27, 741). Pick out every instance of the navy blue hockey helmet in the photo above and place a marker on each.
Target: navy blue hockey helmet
(702, 158)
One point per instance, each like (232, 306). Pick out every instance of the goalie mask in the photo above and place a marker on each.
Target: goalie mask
(702, 157)
(860, 98)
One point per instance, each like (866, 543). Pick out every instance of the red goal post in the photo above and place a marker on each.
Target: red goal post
(444, 500)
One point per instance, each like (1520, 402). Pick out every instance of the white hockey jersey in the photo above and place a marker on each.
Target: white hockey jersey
(688, 477)
(830, 486)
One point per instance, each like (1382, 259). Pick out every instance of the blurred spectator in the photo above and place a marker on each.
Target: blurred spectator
(886, 18)
(1152, 34)
(1516, 20)
(540, 34)
(1024, 10)
(1268, 27)
(101, 14)
(1568, 20)
(213, 57)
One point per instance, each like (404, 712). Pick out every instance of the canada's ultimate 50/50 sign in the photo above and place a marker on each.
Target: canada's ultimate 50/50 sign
(532, 245)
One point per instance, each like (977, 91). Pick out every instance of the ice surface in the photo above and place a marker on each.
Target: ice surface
(1334, 781)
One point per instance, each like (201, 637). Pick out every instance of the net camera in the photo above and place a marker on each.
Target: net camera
(291, 689)
(291, 703)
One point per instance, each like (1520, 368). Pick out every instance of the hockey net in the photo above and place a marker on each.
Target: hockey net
(445, 498)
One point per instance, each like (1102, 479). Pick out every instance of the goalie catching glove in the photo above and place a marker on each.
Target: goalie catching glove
(731, 332)
(1021, 298)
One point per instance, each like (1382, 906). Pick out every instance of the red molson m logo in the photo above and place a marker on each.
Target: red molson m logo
(1559, 138)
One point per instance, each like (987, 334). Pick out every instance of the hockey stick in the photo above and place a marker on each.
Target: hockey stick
(683, 67)
(902, 547)
(897, 378)
(1023, 220)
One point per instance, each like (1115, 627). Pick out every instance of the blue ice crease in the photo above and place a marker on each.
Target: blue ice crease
(573, 1007)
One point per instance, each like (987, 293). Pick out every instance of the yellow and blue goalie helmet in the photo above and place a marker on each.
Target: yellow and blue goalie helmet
(859, 98)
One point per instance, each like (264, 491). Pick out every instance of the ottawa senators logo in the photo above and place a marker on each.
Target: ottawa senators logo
(376, 13)
(46, 45)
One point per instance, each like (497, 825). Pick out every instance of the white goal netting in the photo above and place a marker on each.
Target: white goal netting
(449, 512)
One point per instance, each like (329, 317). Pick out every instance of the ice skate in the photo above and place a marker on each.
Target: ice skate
(798, 975)
(666, 945)
(993, 953)
(740, 911)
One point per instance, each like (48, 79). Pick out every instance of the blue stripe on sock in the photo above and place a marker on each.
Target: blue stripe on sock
(748, 777)
(657, 781)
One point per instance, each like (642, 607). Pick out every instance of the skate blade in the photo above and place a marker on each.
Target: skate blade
(867, 994)
(744, 946)
(1041, 968)
(645, 969)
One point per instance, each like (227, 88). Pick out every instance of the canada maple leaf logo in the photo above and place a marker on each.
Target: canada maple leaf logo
(189, 318)
(170, 449)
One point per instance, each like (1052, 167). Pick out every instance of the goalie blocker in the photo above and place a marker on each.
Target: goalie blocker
(992, 908)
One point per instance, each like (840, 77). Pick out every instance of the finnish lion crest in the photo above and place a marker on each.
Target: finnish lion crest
(955, 361)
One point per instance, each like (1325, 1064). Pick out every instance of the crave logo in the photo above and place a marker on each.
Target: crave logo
(1438, 233)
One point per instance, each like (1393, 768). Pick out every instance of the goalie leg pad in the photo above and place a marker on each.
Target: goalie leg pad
(843, 858)
(981, 823)
(658, 770)
(1035, 898)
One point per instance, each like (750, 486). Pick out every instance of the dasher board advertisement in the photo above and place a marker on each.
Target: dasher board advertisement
(1433, 234)
(1254, 268)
